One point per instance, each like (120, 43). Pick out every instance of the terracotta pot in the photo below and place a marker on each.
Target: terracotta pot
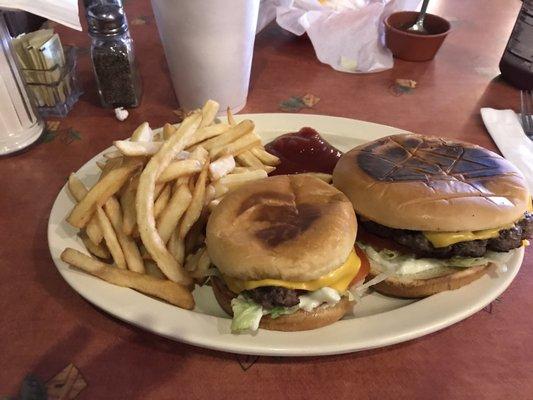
(412, 46)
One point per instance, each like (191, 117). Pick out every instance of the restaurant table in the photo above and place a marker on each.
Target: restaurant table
(45, 325)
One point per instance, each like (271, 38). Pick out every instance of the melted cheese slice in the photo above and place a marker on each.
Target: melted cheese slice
(443, 239)
(338, 279)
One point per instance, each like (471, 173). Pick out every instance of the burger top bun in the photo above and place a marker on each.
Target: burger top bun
(425, 183)
(290, 227)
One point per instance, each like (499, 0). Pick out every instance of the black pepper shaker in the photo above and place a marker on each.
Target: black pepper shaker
(117, 75)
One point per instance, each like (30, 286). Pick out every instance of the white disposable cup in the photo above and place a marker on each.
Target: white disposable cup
(208, 46)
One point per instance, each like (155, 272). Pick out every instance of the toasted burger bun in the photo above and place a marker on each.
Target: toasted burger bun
(299, 321)
(426, 283)
(430, 184)
(289, 227)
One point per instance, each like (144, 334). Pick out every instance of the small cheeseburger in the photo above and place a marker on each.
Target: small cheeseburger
(434, 214)
(284, 247)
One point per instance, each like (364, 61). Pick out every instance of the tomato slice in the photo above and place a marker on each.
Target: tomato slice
(364, 269)
(379, 243)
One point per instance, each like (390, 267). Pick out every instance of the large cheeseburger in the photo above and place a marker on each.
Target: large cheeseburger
(284, 249)
(434, 214)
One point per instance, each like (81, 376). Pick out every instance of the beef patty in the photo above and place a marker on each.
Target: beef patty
(274, 296)
(506, 240)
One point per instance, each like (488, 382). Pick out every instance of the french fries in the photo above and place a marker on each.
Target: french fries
(265, 157)
(111, 239)
(110, 165)
(198, 264)
(169, 218)
(233, 181)
(147, 213)
(166, 290)
(79, 191)
(127, 201)
(145, 200)
(152, 269)
(76, 188)
(237, 147)
(209, 194)
(133, 149)
(219, 190)
(95, 249)
(99, 193)
(197, 204)
(112, 154)
(231, 120)
(247, 159)
(131, 252)
(93, 231)
(208, 132)
(209, 113)
(176, 246)
(180, 168)
(162, 201)
(202, 267)
(143, 133)
(229, 136)
(221, 167)
(168, 131)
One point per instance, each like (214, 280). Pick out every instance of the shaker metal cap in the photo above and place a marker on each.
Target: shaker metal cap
(106, 19)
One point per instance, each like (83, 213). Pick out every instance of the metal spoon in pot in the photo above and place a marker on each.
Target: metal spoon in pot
(418, 26)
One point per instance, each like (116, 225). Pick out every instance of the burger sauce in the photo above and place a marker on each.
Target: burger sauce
(303, 151)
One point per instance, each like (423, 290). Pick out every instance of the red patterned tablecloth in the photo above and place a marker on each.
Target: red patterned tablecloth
(45, 325)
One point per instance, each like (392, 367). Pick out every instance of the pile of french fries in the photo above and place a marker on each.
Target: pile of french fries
(143, 222)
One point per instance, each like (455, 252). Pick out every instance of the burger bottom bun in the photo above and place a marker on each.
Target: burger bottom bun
(415, 286)
(299, 321)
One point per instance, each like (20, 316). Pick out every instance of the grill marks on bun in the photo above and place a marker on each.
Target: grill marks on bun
(285, 222)
(288, 227)
(417, 158)
(268, 196)
(424, 183)
(283, 217)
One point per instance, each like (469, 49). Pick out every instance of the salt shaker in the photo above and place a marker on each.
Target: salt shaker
(117, 75)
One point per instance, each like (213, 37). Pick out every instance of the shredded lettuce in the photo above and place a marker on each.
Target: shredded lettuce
(246, 314)
(403, 264)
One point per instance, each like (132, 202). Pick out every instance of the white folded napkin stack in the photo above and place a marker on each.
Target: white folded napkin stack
(505, 128)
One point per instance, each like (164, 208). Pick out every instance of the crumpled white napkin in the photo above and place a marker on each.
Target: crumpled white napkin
(505, 128)
(64, 12)
(346, 34)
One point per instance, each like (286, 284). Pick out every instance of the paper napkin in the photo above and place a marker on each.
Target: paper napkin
(505, 128)
(346, 34)
(64, 12)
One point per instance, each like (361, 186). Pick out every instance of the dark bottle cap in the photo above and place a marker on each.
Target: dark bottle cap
(516, 64)
(106, 19)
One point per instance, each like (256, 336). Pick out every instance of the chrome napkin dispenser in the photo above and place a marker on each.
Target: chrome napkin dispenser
(20, 124)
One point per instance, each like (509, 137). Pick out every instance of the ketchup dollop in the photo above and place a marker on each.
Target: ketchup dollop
(303, 151)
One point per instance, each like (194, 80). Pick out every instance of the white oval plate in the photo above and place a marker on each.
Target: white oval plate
(378, 320)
